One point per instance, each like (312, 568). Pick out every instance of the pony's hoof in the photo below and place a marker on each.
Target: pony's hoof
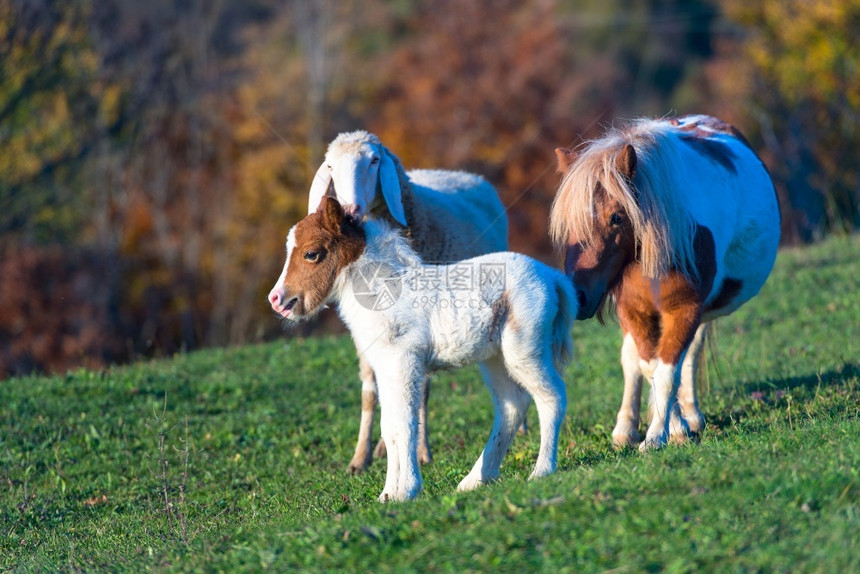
(380, 450)
(653, 443)
(679, 439)
(695, 424)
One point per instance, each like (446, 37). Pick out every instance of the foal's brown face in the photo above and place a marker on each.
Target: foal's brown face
(318, 248)
(597, 263)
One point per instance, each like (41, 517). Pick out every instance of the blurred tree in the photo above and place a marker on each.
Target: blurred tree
(498, 97)
(54, 108)
(791, 73)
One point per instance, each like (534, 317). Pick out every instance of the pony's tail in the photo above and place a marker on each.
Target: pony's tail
(562, 343)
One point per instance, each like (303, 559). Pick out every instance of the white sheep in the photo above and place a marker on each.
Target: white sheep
(448, 215)
(506, 311)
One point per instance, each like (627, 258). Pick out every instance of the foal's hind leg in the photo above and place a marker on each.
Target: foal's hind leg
(510, 402)
(547, 389)
(626, 432)
(424, 454)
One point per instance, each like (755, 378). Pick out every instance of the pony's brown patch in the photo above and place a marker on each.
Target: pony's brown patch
(706, 124)
(712, 149)
(728, 291)
(662, 315)
(326, 241)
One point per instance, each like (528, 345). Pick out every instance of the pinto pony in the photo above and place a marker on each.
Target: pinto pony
(677, 221)
(505, 311)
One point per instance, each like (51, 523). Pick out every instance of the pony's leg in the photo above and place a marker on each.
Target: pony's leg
(679, 327)
(424, 454)
(687, 397)
(363, 455)
(399, 396)
(510, 403)
(664, 385)
(626, 432)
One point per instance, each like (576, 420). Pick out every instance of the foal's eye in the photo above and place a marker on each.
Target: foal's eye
(616, 219)
(374, 160)
(311, 256)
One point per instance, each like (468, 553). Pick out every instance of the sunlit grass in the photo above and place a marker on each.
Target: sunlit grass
(88, 483)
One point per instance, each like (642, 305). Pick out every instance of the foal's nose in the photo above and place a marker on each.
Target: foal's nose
(276, 297)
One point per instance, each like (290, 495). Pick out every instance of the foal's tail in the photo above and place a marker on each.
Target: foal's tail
(562, 344)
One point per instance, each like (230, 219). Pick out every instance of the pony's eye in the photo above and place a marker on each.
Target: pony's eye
(311, 256)
(374, 160)
(616, 219)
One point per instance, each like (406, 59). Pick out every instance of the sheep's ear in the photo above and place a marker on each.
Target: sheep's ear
(390, 184)
(319, 187)
(332, 213)
(565, 158)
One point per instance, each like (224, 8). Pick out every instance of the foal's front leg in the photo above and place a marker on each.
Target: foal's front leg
(399, 382)
(424, 454)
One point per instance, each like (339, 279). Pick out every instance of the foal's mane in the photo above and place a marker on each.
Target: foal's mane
(662, 226)
(387, 244)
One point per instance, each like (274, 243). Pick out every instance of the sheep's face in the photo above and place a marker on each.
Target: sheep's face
(355, 175)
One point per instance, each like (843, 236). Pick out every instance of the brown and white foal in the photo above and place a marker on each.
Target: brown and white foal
(513, 317)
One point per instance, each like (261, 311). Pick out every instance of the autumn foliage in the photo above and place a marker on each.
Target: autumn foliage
(155, 154)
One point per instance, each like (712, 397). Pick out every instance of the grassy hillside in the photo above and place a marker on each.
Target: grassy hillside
(235, 459)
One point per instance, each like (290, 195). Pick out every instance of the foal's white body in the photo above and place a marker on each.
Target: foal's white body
(517, 330)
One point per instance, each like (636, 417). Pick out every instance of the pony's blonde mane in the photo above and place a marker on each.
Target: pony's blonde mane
(662, 226)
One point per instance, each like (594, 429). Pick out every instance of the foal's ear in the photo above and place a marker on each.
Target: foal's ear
(626, 162)
(565, 158)
(332, 213)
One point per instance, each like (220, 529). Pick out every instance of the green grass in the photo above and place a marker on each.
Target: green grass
(267, 432)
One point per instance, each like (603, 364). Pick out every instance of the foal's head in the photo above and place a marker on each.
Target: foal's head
(597, 244)
(318, 248)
